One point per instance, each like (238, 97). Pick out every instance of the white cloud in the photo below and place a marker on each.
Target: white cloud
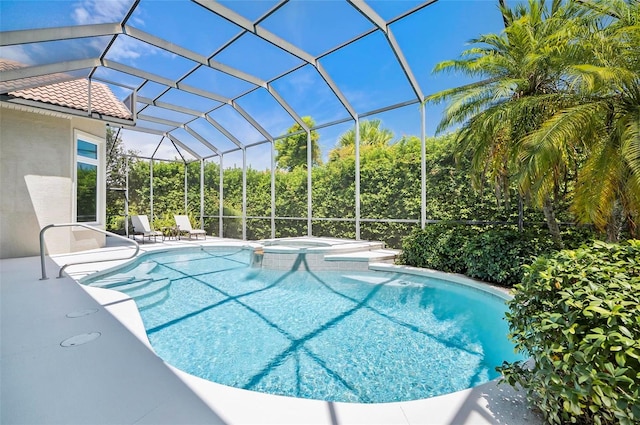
(110, 11)
(18, 54)
(127, 48)
(80, 14)
(100, 11)
(143, 143)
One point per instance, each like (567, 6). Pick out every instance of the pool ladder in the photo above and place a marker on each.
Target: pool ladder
(86, 226)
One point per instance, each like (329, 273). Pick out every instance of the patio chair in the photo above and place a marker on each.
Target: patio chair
(142, 227)
(184, 225)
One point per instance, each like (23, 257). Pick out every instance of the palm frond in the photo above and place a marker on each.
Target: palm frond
(599, 78)
(630, 148)
(598, 186)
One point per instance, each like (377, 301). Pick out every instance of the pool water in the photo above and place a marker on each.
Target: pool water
(338, 336)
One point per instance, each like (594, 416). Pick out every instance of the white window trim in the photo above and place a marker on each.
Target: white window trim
(101, 164)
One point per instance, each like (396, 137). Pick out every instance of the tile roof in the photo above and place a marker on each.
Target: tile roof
(9, 65)
(72, 93)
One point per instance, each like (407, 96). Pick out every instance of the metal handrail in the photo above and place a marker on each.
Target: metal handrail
(86, 226)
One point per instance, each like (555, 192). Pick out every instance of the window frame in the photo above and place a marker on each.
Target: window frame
(100, 163)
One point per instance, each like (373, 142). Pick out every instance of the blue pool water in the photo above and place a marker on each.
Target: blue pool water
(364, 337)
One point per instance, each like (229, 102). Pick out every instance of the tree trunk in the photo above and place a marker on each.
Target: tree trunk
(552, 223)
(615, 223)
(504, 18)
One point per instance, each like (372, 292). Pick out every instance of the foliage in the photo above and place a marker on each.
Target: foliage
(493, 254)
(371, 134)
(87, 183)
(115, 181)
(518, 69)
(555, 109)
(498, 254)
(600, 118)
(168, 187)
(292, 150)
(576, 314)
(390, 189)
(439, 246)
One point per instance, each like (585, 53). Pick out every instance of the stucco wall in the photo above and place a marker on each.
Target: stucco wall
(36, 181)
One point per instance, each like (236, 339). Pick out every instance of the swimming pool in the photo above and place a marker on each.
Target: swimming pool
(338, 336)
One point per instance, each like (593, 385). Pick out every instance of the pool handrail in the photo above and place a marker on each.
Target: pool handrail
(86, 226)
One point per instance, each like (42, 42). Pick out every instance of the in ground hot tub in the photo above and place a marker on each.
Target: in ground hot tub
(311, 253)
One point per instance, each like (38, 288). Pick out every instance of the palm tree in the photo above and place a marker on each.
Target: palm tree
(521, 71)
(600, 120)
(371, 134)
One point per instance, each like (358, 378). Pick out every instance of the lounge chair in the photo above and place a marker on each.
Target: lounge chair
(142, 227)
(184, 225)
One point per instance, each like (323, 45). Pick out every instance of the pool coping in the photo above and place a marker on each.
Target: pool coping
(489, 403)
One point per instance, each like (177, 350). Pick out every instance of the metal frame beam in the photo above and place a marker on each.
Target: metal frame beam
(53, 68)
(143, 129)
(249, 26)
(28, 83)
(253, 122)
(177, 141)
(202, 139)
(357, 177)
(40, 35)
(170, 106)
(164, 81)
(191, 55)
(224, 131)
(162, 121)
(244, 194)
(268, 36)
(287, 107)
(379, 22)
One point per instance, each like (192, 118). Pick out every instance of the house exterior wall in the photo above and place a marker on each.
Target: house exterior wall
(37, 171)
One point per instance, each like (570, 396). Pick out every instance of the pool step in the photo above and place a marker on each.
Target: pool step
(371, 280)
(357, 248)
(136, 284)
(145, 268)
(380, 280)
(147, 289)
(112, 282)
(152, 300)
(373, 256)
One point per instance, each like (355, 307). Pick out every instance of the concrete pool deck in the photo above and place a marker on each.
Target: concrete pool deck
(117, 378)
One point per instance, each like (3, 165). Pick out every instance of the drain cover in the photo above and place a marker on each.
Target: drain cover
(81, 313)
(80, 339)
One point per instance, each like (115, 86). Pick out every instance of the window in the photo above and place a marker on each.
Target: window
(89, 179)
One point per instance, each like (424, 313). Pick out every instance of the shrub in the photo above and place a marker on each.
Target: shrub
(575, 237)
(493, 254)
(163, 220)
(577, 314)
(438, 246)
(498, 254)
(115, 224)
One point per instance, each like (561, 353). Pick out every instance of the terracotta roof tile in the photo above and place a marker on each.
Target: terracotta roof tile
(7, 86)
(71, 94)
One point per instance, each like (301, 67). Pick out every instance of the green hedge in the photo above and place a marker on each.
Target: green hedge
(493, 254)
(577, 314)
(437, 246)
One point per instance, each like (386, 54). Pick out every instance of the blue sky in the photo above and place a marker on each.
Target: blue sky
(366, 71)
